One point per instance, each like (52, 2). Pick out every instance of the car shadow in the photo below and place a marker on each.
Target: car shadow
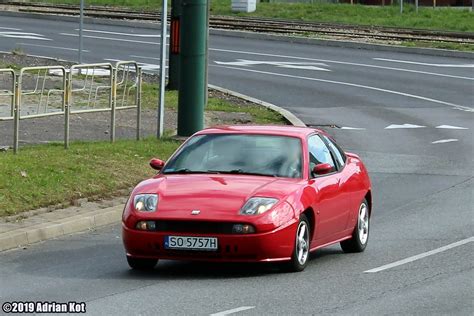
(170, 269)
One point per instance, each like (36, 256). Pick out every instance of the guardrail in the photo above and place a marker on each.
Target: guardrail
(54, 90)
(8, 92)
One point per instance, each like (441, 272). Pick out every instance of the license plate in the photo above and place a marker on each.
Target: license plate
(191, 243)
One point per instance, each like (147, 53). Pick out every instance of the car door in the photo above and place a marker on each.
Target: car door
(330, 207)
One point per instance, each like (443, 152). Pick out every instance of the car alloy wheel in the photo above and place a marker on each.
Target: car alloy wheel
(363, 224)
(360, 236)
(302, 242)
(300, 256)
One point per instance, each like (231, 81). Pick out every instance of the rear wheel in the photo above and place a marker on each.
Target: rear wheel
(300, 256)
(141, 263)
(360, 237)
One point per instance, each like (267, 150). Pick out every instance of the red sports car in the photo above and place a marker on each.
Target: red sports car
(249, 194)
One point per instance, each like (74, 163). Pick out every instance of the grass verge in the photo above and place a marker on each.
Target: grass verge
(260, 114)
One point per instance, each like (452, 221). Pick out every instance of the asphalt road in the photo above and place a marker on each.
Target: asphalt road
(410, 117)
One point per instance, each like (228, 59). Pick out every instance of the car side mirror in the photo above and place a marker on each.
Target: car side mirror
(157, 164)
(322, 168)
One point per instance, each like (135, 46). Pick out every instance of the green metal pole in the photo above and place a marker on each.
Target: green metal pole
(192, 85)
(173, 64)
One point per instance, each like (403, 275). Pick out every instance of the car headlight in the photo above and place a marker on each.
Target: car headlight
(257, 205)
(145, 202)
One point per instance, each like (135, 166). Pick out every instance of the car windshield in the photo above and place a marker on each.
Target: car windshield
(266, 155)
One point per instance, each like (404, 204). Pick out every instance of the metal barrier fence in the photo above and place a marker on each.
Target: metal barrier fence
(85, 88)
(7, 93)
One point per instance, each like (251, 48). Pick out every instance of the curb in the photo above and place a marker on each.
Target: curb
(290, 117)
(50, 230)
(252, 35)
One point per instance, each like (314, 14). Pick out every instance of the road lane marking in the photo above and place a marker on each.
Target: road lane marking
(451, 127)
(442, 141)
(455, 106)
(342, 63)
(24, 35)
(426, 64)
(9, 28)
(294, 65)
(53, 47)
(396, 126)
(144, 66)
(124, 34)
(353, 128)
(233, 311)
(144, 57)
(111, 39)
(420, 256)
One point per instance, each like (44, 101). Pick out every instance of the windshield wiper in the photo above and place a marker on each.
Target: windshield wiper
(186, 170)
(240, 171)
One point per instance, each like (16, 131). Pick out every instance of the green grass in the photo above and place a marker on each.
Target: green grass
(452, 46)
(451, 19)
(260, 114)
(58, 176)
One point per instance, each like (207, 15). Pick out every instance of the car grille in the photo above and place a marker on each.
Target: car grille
(197, 227)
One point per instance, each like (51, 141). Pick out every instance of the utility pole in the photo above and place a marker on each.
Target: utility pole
(81, 28)
(193, 57)
(161, 99)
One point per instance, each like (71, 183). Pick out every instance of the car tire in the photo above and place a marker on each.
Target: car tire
(300, 257)
(141, 263)
(360, 236)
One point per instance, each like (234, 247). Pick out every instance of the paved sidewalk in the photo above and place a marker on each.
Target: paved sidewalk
(31, 227)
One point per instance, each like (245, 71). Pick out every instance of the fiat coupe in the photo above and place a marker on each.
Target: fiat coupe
(249, 194)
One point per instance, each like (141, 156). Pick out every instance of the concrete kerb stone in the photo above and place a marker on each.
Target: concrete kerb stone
(50, 230)
(264, 36)
(290, 117)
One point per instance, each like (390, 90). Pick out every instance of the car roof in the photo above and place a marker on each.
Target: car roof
(281, 130)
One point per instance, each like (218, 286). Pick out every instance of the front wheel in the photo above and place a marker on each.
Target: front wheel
(300, 256)
(141, 263)
(360, 237)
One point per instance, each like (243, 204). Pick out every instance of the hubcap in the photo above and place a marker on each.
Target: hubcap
(363, 224)
(302, 243)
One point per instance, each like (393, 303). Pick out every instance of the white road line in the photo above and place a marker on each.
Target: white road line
(342, 63)
(283, 64)
(450, 127)
(144, 66)
(233, 311)
(396, 126)
(24, 35)
(125, 34)
(353, 128)
(442, 141)
(455, 106)
(112, 39)
(9, 28)
(426, 64)
(53, 47)
(144, 57)
(420, 256)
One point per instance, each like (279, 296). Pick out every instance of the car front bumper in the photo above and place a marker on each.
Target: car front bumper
(276, 245)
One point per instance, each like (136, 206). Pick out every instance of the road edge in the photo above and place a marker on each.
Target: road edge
(290, 117)
(265, 36)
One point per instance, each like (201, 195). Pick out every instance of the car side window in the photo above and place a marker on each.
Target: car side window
(319, 153)
(339, 154)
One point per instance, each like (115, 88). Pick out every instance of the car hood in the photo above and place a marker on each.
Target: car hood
(213, 195)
